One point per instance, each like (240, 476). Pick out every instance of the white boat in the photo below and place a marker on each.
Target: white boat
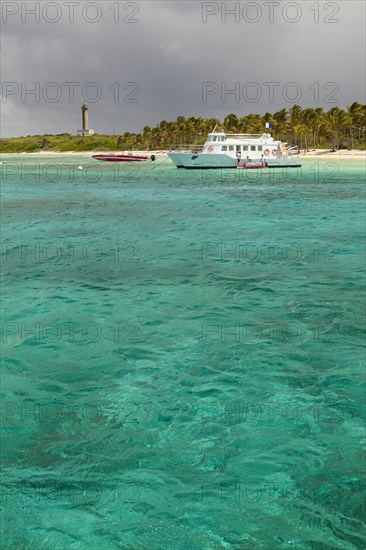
(223, 150)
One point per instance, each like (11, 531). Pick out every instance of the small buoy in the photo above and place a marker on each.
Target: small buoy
(80, 168)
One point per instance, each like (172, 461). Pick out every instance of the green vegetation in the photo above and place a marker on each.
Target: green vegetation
(61, 143)
(306, 128)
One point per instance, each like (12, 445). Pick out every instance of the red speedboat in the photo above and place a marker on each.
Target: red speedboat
(122, 158)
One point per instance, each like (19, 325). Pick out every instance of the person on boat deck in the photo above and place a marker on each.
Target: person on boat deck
(248, 159)
(238, 157)
(262, 160)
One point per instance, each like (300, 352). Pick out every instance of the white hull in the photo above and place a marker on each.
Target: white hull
(206, 161)
(202, 160)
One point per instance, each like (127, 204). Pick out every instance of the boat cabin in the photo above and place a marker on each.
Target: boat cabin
(253, 146)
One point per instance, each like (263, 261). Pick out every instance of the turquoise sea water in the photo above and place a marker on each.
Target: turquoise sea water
(183, 361)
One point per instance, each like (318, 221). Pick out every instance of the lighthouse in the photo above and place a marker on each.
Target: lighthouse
(85, 121)
(85, 111)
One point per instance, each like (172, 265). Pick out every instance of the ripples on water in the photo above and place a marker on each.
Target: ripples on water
(182, 360)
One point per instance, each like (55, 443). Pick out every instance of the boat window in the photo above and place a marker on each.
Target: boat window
(260, 147)
(224, 148)
(214, 138)
(231, 147)
(252, 147)
(238, 148)
(245, 147)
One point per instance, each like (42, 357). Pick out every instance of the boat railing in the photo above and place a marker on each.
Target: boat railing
(186, 148)
(244, 136)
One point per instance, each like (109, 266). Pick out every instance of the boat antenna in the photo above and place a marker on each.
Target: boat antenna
(213, 131)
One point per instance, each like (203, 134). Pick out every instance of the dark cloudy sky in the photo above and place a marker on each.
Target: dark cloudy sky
(168, 51)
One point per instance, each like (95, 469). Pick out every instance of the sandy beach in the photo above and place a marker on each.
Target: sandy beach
(343, 154)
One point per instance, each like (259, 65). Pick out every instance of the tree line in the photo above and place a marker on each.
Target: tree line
(306, 128)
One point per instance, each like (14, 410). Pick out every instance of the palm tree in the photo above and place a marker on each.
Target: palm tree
(190, 129)
(212, 123)
(356, 116)
(253, 124)
(231, 123)
(338, 121)
(147, 136)
(171, 134)
(318, 123)
(199, 128)
(309, 119)
(295, 120)
(299, 131)
(279, 121)
(181, 126)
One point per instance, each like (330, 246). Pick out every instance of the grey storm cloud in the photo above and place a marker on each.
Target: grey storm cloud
(150, 60)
